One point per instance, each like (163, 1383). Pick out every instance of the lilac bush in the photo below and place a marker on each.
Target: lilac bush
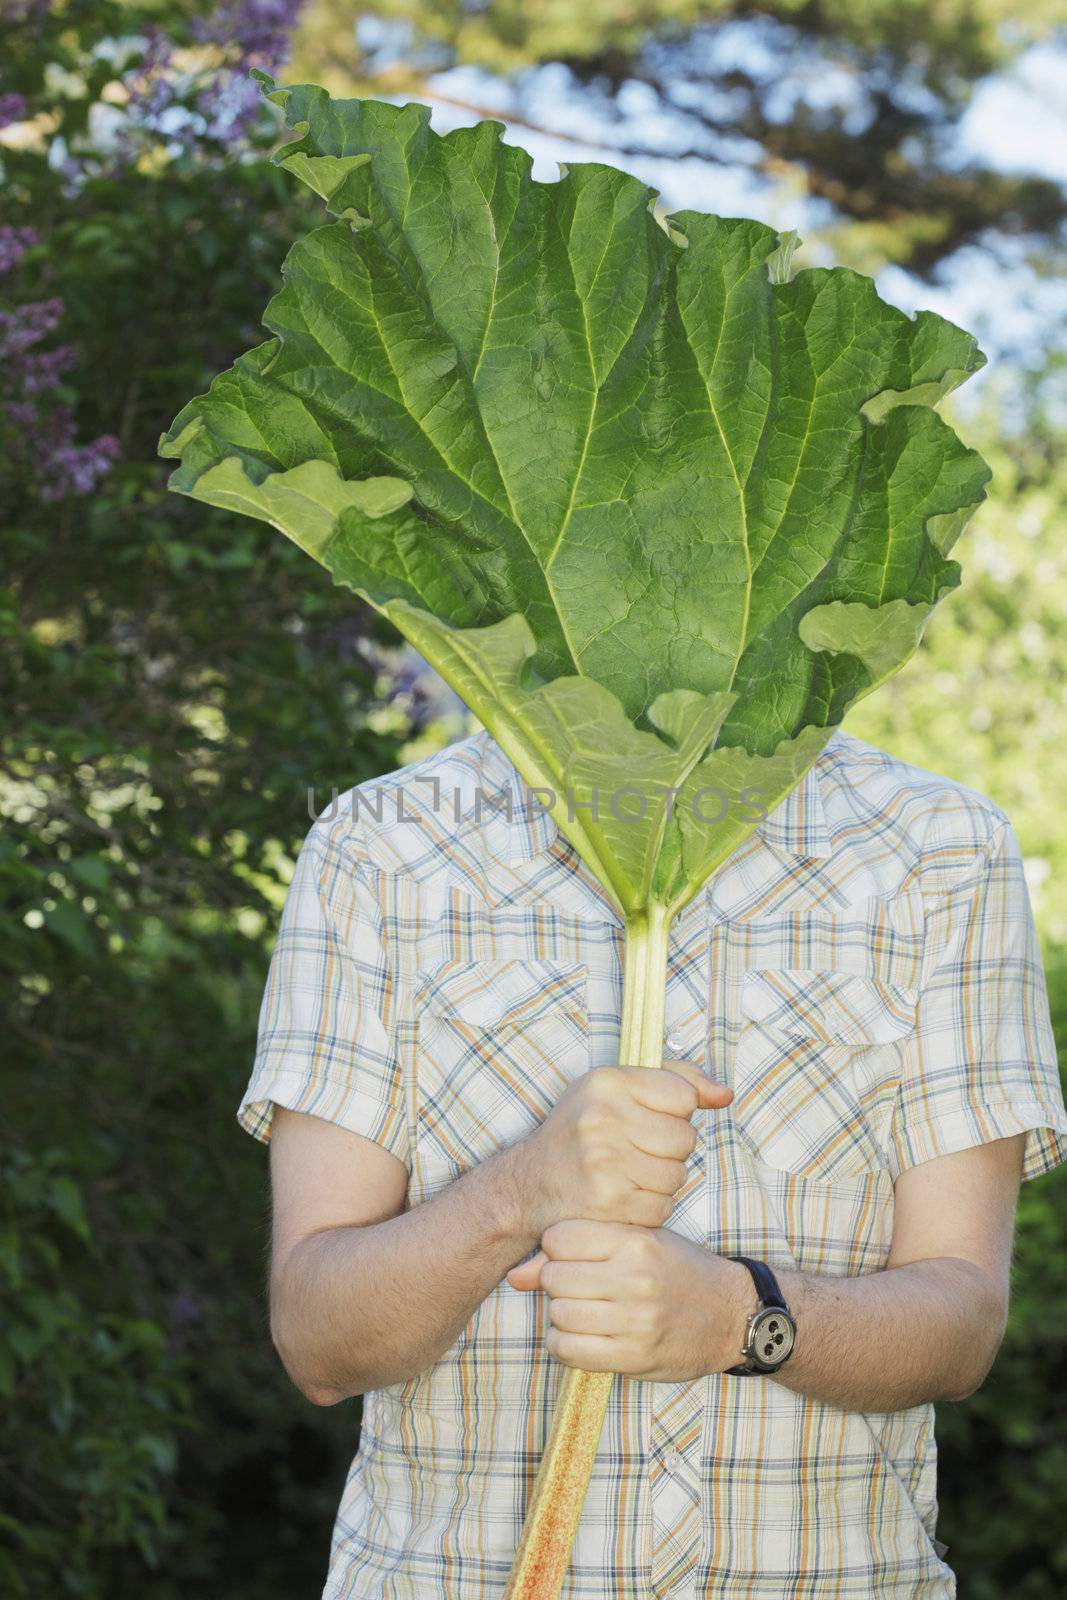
(220, 104)
(195, 113)
(40, 426)
(261, 30)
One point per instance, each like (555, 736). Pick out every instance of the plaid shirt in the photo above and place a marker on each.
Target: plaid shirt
(864, 971)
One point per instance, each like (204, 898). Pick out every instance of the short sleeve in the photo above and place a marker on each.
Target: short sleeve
(324, 1045)
(982, 1064)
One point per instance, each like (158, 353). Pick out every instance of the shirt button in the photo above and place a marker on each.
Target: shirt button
(674, 1041)
(671, 1459)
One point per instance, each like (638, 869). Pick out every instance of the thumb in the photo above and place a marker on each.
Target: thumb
(527, 1275)
(711, 1094)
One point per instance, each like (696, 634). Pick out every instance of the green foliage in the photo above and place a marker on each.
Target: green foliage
(982, 701)
(172, 686)
(695, 502)
(105, 1397)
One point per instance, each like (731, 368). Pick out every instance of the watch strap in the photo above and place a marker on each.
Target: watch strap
(766, 1283)
(768, 1294)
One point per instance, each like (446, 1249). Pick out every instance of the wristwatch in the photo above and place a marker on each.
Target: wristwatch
(771, 1331)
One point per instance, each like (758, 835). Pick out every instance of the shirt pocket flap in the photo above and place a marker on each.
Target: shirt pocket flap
(503, 995)
(834, 1006)
(498, 1042)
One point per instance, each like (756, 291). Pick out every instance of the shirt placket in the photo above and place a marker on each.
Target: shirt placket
(676, 1411)
(676, 1490)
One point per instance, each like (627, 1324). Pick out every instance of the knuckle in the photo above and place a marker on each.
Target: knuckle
(599, 1158)
(590, 1119)
(634, 1248)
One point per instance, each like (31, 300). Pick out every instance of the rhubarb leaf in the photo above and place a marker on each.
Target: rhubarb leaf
(657, 509)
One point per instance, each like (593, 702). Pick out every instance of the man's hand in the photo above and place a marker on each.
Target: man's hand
(614, 1146)
(638, 1300)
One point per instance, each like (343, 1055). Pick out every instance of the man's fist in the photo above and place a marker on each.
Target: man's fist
(638, 1300)
(614, 1146)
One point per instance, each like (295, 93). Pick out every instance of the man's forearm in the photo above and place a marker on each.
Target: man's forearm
(359, 1308)
(886, 1340)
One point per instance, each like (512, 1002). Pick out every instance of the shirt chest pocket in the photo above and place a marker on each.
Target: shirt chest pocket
(819, 1059)
(497, 1044)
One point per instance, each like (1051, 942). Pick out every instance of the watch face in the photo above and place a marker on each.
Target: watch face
(771, 1338)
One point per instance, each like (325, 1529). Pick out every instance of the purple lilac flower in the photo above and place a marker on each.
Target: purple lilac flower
(261, 30)
(44, 432)
(260, 27)
(12, 109)
(222, 106)
(150, 90)
(14, 242)
(27, 325)
(20, 414)
(42, 370)
(252, 32)
(77, 469)
(231, 109)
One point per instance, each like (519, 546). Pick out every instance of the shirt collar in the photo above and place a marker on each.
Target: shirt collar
(796, 827)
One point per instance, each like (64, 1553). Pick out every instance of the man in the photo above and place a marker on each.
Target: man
(860, 1069)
